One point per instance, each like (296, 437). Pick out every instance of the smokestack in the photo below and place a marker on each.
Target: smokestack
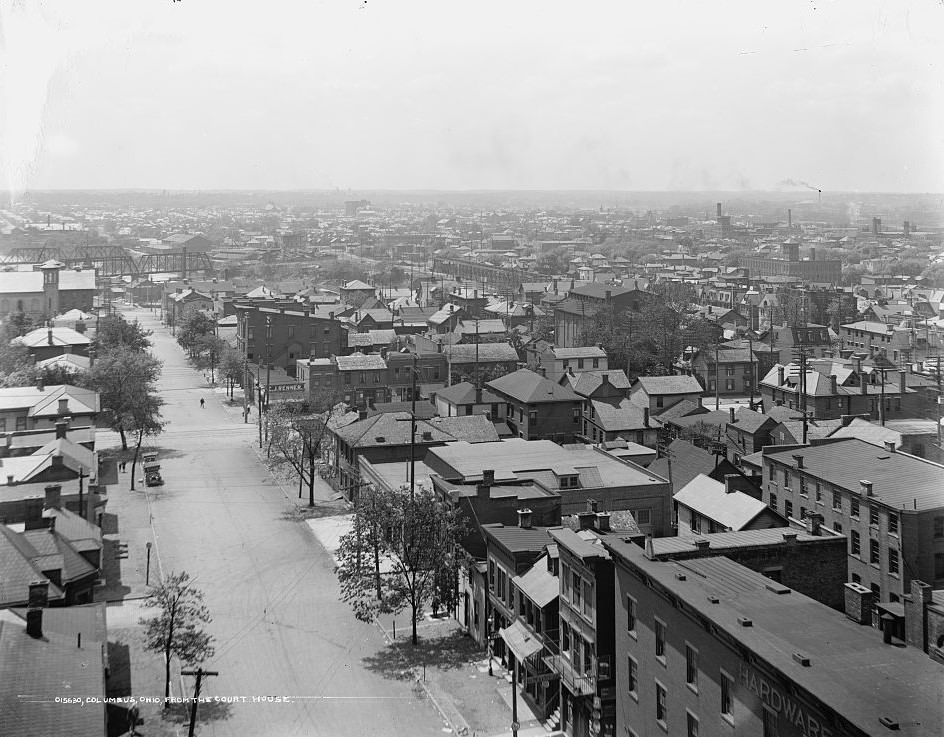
(719, 210)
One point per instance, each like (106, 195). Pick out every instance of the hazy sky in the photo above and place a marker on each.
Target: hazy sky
(438, 94)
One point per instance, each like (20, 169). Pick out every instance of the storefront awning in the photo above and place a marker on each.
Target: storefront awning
(522, 642)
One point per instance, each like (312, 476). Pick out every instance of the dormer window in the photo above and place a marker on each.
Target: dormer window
(568, 481)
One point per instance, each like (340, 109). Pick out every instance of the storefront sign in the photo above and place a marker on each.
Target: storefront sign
(783, 704)
(274, 388)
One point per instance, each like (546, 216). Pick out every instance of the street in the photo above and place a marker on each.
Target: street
(270, 587)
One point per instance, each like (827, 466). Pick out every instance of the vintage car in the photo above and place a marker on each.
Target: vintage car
(152, 470)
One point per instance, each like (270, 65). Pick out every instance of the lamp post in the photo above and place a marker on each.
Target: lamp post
(147, 570)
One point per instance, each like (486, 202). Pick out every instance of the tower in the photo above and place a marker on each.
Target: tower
(50, 271)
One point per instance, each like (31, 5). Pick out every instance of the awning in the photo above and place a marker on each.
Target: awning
(520, 640)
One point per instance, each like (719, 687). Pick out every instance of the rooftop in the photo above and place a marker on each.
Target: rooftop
(528, 387)
(669, 385)
(851, 670)
(710, 498)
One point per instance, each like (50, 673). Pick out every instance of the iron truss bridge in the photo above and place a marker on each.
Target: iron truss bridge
(112, 260)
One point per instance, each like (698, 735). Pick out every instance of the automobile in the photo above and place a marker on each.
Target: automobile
(152, 470)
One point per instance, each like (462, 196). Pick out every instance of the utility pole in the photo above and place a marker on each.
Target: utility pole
(199, 673)
(937, 401)
(717, 380)
(413, 430)
(268, 371)
(750, 356)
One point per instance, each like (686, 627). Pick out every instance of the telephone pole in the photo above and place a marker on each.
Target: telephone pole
(199, 673)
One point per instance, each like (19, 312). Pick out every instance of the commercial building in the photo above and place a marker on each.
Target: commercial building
(889, 504)
(708, 647)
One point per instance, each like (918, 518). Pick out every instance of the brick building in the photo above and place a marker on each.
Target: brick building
(538, 408)
(889, 504)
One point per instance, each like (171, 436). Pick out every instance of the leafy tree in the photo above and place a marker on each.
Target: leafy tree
(192, 329)
(297, 431)
(16, 365)
(125, 381)
(115, 332)
(177, 627)
(415, 540)
(17, 324)
(231, 367)
(207, 353)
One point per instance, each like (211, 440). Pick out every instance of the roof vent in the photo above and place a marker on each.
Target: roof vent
(777, 588)
(380, 439)
(680, 576)
(889, 723)
(801, 659)
(745, 621)
(713, 599)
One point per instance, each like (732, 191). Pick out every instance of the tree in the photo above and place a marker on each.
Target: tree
(231, 367)
(125, 381)
(207, 351)
(194, 327)
(416, 543)
(297, 431)
(115, 332)
(177, 627)
(16, 365)
(17, 323)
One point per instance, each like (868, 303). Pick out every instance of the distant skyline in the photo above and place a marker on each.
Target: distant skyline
(487, 95)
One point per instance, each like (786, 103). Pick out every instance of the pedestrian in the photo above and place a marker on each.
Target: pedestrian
(201, 402)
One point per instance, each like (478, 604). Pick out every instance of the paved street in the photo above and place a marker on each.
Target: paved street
(280, 628)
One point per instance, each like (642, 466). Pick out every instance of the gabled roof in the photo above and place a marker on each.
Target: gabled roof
(654, 385)
(688, 461)
(750, 422)
(464, 393)
(516, 539)
(590, 351)
(623, 416)
(44, 337)
(528, 387)
(52, 547)
(538, 584)
(733, 510)
(18, 570)
(587, 382)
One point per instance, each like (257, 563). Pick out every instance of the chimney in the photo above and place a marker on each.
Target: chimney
(542, 371)
(482, 491)
(858, 603)
(701, 543)
(9, 479)
(605, 378)
(780, 375)
(53, 496)
(524, 518)
(40, 386)
(902, 384)
(798, 459)
(866, 487)
(609, 295)
(49, 336)
(593, 505)
(833, 385)
(789, 538)
(731, 413)
(730, 479)
(362, 414)
(427, 435)
(814, 521)
(61, 428)
(916, 614)
(603, 521)
(863, 384)
(57, 461)
(645, 417)
(38, 600)
(650, 553)
(586, 519)
(63, 405)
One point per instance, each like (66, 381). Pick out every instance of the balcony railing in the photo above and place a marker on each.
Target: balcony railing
(577, 683)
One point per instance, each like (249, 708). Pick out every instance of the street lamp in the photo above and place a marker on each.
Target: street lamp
(147, 574)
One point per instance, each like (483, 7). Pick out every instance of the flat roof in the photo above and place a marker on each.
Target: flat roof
(662, 546)
(851, 670)
(516, 458)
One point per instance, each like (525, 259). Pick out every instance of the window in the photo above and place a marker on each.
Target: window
(691, 667)
(873, 515)
(893, 561)
(596, 363)
(729, 371)
(938, 523)
(773, 501)
(787, 508)
(532, 417)
(643, 516)
(631, 616)
(727, 697)
(565, 639)
(854, 506)
(21, 424)
(291, 331)
(803, 490)
(939, 565)
(576, 415)
(491, 575)
(892, 523)
(660, 639)
(876, 591)
(588, 598)
(576, 591)
(729, 385)
(873, 552)
(692, 729)
(854, 545)
(837, 501)
(661, 708)
(579, 363)
(837, 527)
(819, 493)
(632, 681)
(659, 401)
(786, 477)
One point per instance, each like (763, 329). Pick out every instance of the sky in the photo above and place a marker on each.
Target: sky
(481, 94)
